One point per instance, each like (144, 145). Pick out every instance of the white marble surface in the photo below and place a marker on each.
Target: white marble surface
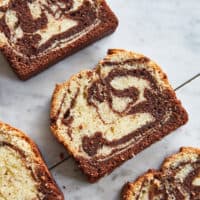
(166, 31)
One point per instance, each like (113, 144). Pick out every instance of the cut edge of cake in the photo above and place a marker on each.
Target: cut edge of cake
(25, 69)
(127, 190)
(185, 154)
(92, 172)
(30, 158)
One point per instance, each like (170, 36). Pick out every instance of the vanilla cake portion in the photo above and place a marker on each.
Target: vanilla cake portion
(23, 173)
(37, 33)
(107, 115)
(178, 179)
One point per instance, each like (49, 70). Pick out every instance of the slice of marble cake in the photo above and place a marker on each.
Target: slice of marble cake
(23, 173)
(107, 115)
(34, 34)
(178, 179)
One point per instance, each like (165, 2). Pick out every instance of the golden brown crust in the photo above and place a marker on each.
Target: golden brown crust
(26, 70)
(91, 169)
(48, 186)
(183, 151)
(152, 64)
(167, 168)
(126, 191)
(129, 187)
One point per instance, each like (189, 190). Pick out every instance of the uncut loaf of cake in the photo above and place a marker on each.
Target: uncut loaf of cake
(178, 179)
(37, 33)
(107, 115)
(23, 173)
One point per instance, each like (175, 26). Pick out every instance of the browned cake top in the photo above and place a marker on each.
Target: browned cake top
(35, 27)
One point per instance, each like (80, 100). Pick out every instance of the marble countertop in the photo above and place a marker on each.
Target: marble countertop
(167, 32)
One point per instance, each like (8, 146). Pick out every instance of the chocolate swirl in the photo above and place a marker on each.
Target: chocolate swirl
(178, 180)
(154, 102)
(34, 27)
(107, 115)
(185, 187)
(143, 102)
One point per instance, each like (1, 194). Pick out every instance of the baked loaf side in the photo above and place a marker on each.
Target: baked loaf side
(179, 178)
(107, 115)
(23, 174)
(35, 34)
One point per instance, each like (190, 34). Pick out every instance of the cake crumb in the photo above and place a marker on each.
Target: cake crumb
(62, 155)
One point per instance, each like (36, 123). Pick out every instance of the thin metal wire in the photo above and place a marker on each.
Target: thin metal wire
(186, 82)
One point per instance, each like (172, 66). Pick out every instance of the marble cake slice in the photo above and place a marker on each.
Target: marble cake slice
(23, 173)
(107, 115)
(178, 179)
(36, 34)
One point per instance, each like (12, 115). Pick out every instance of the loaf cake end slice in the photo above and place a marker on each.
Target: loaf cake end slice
(179, 178)
(36, 34)
(23, 173)
(107, 115)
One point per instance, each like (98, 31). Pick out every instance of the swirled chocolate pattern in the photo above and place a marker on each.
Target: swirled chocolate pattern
(23, 174)
(35, 26)
(32, 29)
(178, 179)
(106, 115)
